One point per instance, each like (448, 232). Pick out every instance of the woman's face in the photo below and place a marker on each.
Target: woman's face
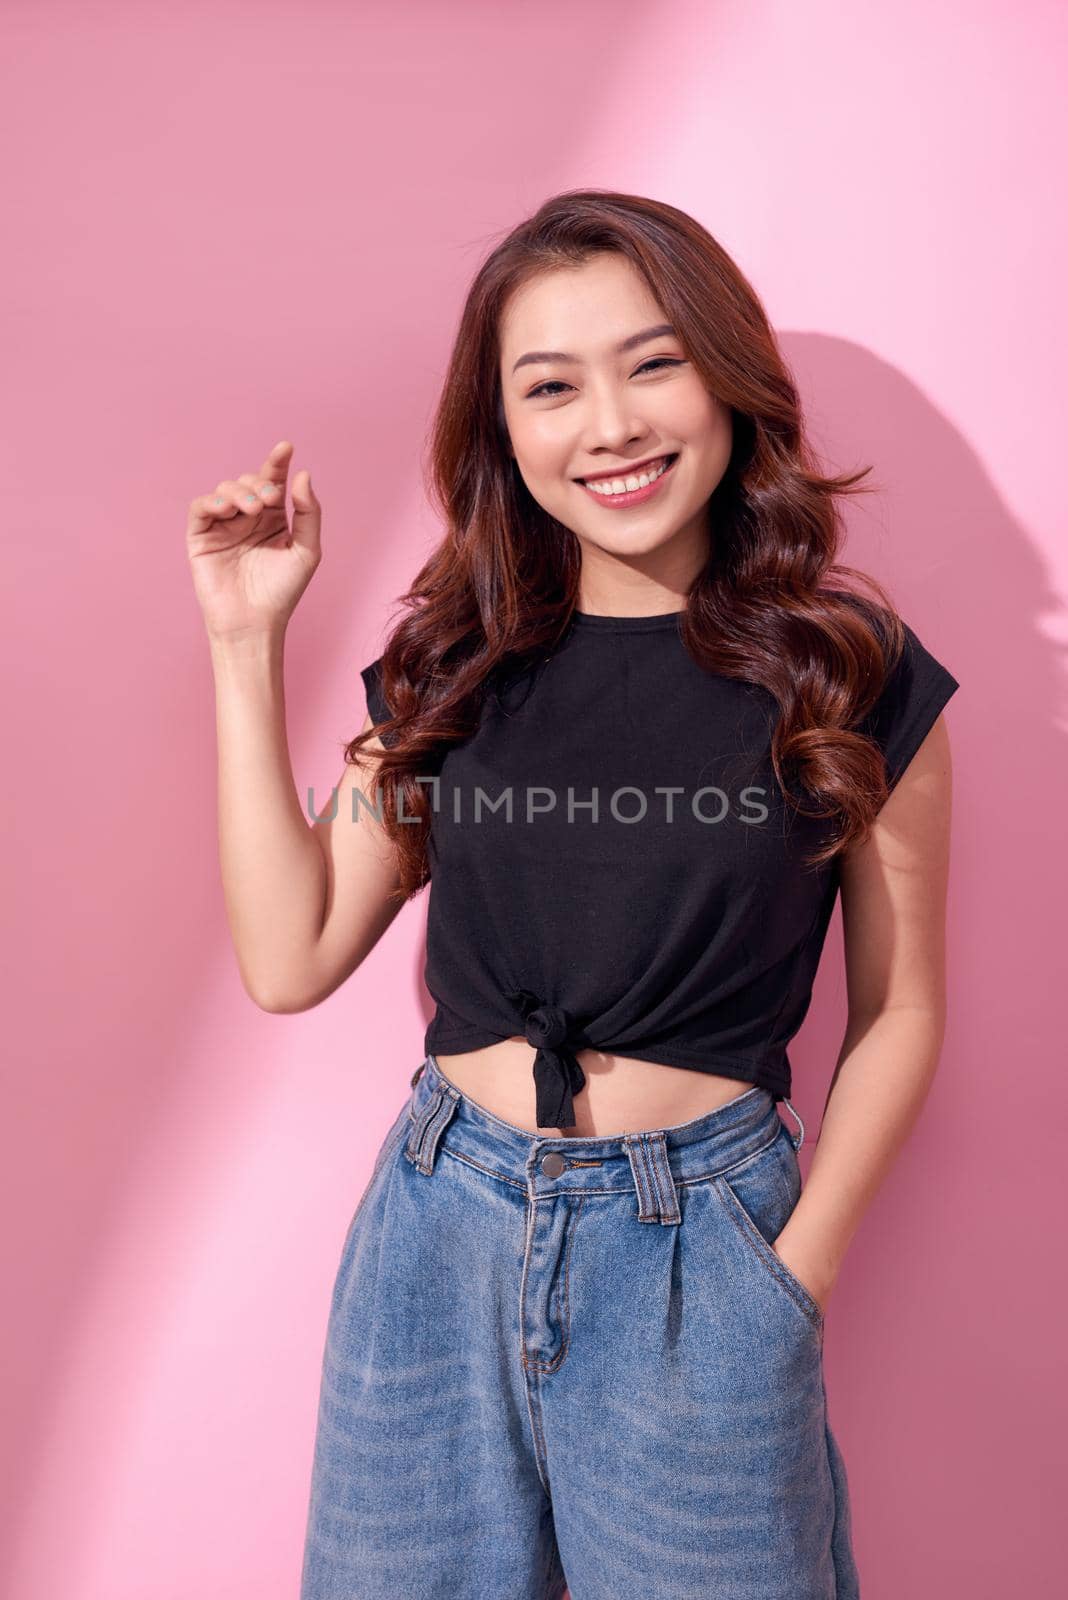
(595, 410)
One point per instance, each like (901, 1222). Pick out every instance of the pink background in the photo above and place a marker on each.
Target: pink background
(228, 225)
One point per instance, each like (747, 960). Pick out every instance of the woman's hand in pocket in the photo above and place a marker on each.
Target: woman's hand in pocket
(805, 1268)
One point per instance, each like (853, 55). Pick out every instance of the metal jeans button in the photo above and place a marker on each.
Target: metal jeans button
(553, 1164)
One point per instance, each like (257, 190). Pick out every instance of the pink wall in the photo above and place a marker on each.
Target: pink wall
(228, 225)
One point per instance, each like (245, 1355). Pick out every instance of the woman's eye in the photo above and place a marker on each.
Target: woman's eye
(646, 366)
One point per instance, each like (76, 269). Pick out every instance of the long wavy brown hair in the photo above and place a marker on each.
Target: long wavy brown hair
(772, 606)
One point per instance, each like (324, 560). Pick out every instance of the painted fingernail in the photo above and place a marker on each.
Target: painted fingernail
(218, 502)
(250, 497)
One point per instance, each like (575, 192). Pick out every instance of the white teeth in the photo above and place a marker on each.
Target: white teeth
(610, 486)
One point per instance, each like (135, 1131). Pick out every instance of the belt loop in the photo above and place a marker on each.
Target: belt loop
(657, 1198)
(800, 1139)
(429, 1125)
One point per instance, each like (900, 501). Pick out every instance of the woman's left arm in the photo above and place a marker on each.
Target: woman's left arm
(893, 890)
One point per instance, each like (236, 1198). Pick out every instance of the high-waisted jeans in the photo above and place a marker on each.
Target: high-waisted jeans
(575, 1363)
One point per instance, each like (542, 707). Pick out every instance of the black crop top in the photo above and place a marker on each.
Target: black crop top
(612, 864)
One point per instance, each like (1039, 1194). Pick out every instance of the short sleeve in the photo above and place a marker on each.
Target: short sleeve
(915, 693)
(376, 705)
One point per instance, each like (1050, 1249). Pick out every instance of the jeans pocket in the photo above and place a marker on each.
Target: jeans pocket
(759, 1195)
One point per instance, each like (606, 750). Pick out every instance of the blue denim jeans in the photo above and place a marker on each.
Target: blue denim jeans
(575, 1363)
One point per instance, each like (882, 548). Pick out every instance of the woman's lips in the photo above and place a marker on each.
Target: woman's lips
(632, 497)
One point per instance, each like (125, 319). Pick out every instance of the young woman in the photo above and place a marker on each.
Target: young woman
(638, 732)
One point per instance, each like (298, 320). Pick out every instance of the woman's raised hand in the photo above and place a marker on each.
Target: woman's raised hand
(249, 568)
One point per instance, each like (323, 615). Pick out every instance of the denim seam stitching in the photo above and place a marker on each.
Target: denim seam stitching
(637, 1149)
(422, 1125)
(659, 1161)
(436, 1127)
(682, 1183)
(430, 1124)
(540, 1452)
(651, 1156)
(641, 1171)
(743, 1161)
(384, 1156)
(514, 1183)
(534, 1365)
(531, 1387)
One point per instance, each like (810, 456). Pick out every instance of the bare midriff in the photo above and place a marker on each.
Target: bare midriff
(621, 1095)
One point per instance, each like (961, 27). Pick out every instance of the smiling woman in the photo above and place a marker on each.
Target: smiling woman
(623, 396)
(635, 621)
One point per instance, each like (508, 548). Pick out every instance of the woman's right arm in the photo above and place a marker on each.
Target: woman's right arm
(306, 901)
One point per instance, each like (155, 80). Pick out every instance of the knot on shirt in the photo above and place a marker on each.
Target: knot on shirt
(558, 1077)
(547, 1025)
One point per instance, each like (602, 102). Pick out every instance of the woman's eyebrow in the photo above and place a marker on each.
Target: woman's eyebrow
(662, 330)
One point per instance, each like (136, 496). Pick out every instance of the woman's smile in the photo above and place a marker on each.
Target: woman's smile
(630, 489)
